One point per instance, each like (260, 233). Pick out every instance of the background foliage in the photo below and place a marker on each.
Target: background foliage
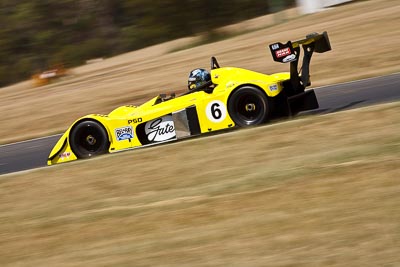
(38, 34)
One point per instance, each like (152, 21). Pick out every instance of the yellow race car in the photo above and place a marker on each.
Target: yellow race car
(225, 97)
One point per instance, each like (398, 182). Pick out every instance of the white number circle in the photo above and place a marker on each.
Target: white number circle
(216, 111)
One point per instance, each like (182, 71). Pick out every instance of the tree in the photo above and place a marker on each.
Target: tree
(40, 33)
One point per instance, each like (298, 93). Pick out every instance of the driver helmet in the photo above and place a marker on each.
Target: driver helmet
(198, 78)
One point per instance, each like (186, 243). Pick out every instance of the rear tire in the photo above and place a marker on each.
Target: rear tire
(248, 106)
(88, 139)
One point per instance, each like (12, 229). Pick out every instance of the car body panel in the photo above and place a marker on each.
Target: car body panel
(132, 116)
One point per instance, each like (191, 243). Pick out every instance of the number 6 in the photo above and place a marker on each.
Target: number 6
(216, 111)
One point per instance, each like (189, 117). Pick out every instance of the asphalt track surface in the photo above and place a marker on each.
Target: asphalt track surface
(33, 153)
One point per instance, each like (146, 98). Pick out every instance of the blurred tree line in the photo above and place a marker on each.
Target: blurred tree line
(37, 34)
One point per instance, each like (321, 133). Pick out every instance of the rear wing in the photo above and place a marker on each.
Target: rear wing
(290, 53)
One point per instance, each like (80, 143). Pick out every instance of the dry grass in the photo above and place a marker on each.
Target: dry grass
(363, 35)
(316, 191)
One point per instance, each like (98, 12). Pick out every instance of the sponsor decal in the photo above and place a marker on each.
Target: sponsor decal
(64, 155)
(161, 129)
(136, 120)
(216, 111)
(273, 87)
(124, 133)
(230, 84)
(283, 52)
(289, 58)
(275, 46)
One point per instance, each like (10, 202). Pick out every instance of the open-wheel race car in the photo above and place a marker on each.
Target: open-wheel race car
(227, 97)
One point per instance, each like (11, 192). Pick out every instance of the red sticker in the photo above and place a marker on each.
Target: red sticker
(283, 52)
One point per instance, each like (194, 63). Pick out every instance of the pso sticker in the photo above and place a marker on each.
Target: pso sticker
(216, 111)
(124, 133)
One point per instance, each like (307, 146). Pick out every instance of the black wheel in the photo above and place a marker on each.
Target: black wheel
(88, 138)
(248, 106)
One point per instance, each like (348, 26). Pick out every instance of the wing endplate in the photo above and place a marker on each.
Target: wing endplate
(290, 53)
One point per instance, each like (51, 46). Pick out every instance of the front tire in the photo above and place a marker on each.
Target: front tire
(88, 139)
(248, 106)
